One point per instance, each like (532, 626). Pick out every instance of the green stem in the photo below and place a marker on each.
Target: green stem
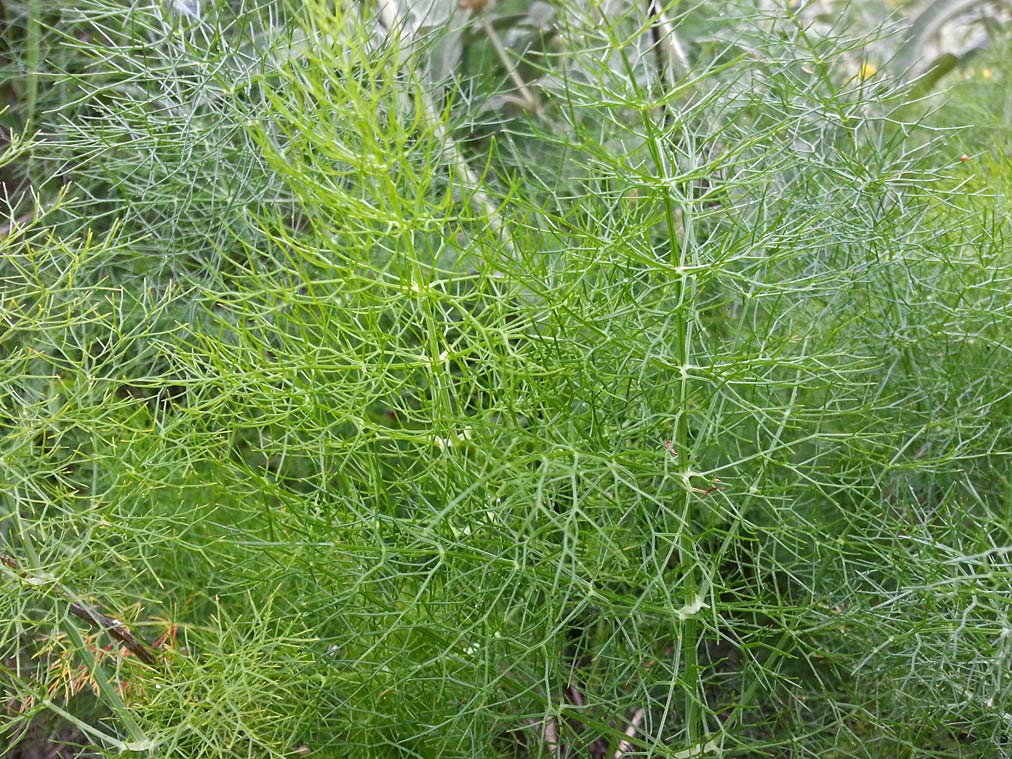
(33, 59)
(682, 253)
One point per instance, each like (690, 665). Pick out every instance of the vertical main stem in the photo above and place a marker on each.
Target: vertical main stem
(33, 62)
(682, 254)
(682, 251)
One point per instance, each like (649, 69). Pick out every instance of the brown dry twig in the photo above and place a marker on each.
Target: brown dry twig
(94, 617)
(625, 745)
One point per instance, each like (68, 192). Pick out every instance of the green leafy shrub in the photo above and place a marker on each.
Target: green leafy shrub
(669, 417)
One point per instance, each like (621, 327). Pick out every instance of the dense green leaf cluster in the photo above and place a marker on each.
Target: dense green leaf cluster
(670, 416)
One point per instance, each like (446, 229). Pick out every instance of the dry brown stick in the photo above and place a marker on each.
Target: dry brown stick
(450, 149)
(576, 696)
(625, 745)
(95, 618)
(672, 61)
(530, 102)
(552, 737)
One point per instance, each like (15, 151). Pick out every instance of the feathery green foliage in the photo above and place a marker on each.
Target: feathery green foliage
(667, 419)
